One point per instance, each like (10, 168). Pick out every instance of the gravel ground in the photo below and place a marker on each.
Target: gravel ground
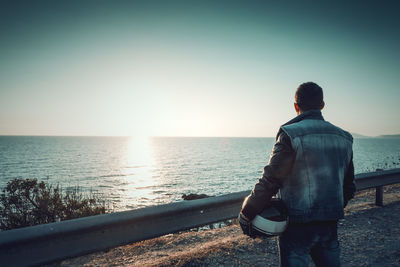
(369, 236)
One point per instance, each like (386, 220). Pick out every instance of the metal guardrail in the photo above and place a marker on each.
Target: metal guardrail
(55, 241)
(377, 179)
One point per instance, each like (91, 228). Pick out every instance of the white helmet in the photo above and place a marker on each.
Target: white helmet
(272, 221)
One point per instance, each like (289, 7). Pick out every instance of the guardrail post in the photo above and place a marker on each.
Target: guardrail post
(379, 196)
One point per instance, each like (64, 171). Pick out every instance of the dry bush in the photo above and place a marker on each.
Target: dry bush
(27, 202)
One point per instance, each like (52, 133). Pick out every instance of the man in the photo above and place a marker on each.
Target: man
(311, 165)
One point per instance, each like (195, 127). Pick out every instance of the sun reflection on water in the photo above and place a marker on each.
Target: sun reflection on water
(139, 183)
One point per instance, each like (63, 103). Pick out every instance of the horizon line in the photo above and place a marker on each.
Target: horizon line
(355, 135)
(150, 136)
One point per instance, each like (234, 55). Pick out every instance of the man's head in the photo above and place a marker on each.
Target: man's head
(308, 96)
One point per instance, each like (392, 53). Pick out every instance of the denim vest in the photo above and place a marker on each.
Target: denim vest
(313, 191)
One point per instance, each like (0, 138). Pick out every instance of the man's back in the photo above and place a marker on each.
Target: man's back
(322, 155)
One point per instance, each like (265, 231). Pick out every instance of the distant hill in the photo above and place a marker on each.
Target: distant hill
(389, 136)
(356, 135)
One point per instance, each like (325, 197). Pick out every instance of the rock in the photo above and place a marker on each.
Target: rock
(194, 196)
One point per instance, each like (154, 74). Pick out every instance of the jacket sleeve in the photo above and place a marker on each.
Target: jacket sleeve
(349, 186)
(279, 166)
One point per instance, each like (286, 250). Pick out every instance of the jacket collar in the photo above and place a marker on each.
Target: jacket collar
(314, 114)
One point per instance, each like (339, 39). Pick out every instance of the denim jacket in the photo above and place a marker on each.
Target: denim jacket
(311, 165)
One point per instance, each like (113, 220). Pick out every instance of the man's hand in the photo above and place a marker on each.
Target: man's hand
(245, 224)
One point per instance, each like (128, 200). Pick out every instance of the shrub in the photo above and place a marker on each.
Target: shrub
(27, 202)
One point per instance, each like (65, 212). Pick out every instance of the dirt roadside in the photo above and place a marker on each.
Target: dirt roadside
(369, 236)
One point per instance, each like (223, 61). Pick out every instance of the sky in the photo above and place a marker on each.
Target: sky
(195, 68)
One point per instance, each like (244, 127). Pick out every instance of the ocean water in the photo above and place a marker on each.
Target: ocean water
(136, 172)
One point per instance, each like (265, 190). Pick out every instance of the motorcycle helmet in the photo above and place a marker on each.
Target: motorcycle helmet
(272, 221)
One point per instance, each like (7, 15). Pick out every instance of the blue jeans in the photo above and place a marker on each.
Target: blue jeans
(316, 239)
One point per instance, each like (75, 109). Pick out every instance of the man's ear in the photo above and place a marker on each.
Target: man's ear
(297, 108)
(322, 105)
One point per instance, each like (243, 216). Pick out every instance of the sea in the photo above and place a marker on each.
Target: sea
(133, 172)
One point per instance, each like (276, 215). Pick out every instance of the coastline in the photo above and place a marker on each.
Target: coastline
(369, 236)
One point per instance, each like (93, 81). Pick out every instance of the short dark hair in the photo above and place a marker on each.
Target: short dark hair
(308, 96)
